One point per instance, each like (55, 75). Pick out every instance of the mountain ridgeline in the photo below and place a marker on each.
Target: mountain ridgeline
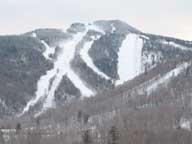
(48, 68)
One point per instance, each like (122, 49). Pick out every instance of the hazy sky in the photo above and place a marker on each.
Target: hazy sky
(166, 17)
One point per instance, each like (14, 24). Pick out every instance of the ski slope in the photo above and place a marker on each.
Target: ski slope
(62, 66)
(84, 53)
(178, 46)
(113, 28)
(2, 104)
(166, 78)
(48, 50)
(34, 35)
(129, 58)
(46, 89)
(95, 28)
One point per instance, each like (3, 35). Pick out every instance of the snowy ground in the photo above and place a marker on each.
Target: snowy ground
(2, 104)
(88, 60)
(150, 59)
(164, 79)
(130, 56)
(177, 45)
(46, 89)
(34, 35)
(113, 28)
(185, 124)
(48, 51)
(95, 28)
(48, 83)
(62, 66)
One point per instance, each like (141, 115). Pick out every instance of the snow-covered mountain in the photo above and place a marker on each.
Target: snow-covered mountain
(47, 67)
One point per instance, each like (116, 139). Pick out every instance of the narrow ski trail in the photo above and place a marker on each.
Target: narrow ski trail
(88, 60)
(48, 83)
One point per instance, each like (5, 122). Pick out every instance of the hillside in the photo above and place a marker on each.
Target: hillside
(103, 82)
(46, 68)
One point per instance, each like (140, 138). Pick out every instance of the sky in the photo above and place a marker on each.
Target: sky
(164, 17)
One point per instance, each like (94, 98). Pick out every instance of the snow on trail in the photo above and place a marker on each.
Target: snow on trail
(84, 53)
(173, 73)
(185, 123)
(95, 28)
(34, 35)
(130, 58)
(61, 68)
(48, 51)
(42, 89)
(86, 92)
(178, 46)
(113, 28)
(2, 104)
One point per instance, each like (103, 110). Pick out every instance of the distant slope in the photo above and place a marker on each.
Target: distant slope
(48, 68)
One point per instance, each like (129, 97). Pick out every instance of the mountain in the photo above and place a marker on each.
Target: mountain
(48, 68)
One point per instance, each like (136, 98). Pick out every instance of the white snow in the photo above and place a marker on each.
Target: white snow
(2, 103)
(48, 83)
(144, 37)
(61, 68)
(177, 45)
(164, 79)
(84, 53)
(34, 35)
(48, 50)
(130, 58)
(95, 28)
(42, 89)
(6, 131)
(113, 28)
(150, 59)
(185, 124)
(86, 92)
